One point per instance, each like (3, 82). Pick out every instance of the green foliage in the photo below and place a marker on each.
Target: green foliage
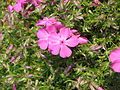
(101, 25)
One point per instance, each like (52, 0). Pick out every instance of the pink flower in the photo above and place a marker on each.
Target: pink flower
(14, 87)
(49, 23)
(21, 1)
(10, 8)
(66, 1)
(46, 22)
(83, 40)
(13, 58)
(36, 2)
(114, 58)
(95, 3)
(17, 7)
(60, 43)
(21, 4)
(58, 39)
(100, 88)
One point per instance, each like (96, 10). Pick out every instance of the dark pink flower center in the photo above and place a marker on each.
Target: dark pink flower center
(62, 42)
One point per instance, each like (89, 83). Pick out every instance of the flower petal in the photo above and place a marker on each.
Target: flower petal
(83, 40)
(51, 29)
(72, 42)
(65, 51)
(17, 7)
(58, 25)
(114, 55)
(55, 49)
(42, 34)
(64, 33)
(43, 44)
(46, 21)
(116, 66)
(100, 88)
(41, 23)
(10, 8)
(54, 38)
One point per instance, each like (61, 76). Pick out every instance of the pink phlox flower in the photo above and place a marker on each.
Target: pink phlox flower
(100, 88)
(49, 23)
(10, 8)
(66, 1)
(73, 32)
(57, 38)
(46, 21)
(21, 1)
(114, 58)
(95, 3)
(83, 40)
(36, 2)
(20, 4)
(17, 7)
(14, 87)
(60, 43)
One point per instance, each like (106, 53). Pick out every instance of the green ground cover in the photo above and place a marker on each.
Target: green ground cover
(36, 69)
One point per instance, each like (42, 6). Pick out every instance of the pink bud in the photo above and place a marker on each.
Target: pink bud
(96, 47)
(9, 48)
(10, 8)
(12, 59)
(66, 0)
(100, 88)
(1, 36)
(14, 87)
(95, 3)
(28, 67)
(83, 40)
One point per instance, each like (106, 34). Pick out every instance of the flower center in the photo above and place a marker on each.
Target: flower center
(62, 41)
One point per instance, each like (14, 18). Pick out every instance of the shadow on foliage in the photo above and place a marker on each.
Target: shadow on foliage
(112, 82)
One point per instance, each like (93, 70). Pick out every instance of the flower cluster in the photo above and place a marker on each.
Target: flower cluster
(20, 4)
(114, 58)
(57, 38)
